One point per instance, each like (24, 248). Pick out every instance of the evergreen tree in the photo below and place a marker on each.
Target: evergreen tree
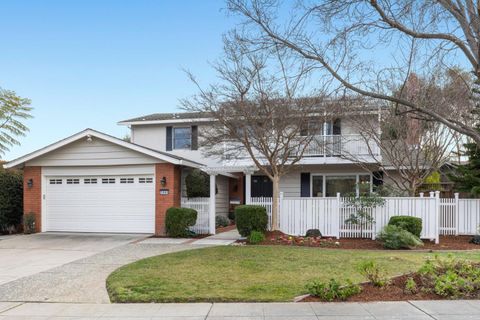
(467, 176)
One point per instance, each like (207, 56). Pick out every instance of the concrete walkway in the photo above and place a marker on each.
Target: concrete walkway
(414, 310)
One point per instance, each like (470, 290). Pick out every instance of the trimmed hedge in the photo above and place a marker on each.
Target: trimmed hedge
(411, 224)
(178, 220)
(11, 200)
(250, 218)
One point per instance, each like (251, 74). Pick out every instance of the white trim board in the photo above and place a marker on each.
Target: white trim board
(96, 134)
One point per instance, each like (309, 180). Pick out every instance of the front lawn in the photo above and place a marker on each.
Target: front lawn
(250, 273)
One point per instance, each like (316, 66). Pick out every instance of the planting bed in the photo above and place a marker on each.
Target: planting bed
(446, 242)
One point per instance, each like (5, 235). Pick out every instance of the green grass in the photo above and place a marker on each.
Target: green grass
(251, 273)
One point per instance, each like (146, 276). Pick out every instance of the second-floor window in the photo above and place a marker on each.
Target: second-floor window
(182, 137)
(319, 128)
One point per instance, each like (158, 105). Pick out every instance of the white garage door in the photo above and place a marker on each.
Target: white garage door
(100, 204)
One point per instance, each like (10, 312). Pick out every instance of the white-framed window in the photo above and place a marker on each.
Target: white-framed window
(73, 181)
(126, 180)
(90, 181)
(328, 185)
(145, 180)
(108, 180)
(182, 137)
(55, 181)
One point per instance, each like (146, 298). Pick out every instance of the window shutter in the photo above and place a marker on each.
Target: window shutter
(305, 184)
(169, 139)
(194, 137)
(337, 127)
(377, 178)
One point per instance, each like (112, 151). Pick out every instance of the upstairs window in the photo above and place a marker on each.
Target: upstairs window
(182, 137)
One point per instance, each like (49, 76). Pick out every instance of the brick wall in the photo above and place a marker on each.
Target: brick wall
(172, 173)
(32, 197)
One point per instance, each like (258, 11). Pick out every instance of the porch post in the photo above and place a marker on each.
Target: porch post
(248, 186)
(211, 207)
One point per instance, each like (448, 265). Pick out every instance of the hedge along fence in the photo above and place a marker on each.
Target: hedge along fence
(11, 201)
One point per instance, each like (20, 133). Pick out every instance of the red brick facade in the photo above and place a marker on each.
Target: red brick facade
(32, 196)
(172, 174)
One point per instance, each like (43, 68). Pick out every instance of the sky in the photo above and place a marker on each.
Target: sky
(89, 64)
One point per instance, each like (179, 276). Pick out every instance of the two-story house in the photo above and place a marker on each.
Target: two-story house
(93, 182)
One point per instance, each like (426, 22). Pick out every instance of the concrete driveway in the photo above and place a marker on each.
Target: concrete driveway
(25, 255)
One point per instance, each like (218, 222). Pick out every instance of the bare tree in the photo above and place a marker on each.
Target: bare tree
(258, 110)
(352, 40)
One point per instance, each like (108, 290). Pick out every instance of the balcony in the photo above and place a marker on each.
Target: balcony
(346, 145)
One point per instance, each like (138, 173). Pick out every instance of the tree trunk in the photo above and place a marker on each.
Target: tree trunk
(275, 201)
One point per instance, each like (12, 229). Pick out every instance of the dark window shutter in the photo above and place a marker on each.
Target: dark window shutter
(377, 178)
(169, 139)
(304, 129)
(305, 184)
(194, 137)
(337, 127)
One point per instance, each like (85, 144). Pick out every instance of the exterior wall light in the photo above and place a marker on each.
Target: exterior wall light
(30, 183)
(163, 181)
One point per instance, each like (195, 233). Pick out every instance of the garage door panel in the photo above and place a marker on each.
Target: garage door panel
(100, 207)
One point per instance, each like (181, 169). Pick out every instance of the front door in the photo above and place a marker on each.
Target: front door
(261, 186)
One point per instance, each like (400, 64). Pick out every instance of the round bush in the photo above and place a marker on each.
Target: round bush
(256, 237)
(313, 233)
(178, 220)
(221, 221)
(394, 237)
(411, 224)
(250, 218)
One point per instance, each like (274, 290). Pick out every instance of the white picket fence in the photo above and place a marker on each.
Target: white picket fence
(440, 216)
(202, 206)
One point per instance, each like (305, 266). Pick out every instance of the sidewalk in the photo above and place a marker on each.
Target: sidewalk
(415, 310)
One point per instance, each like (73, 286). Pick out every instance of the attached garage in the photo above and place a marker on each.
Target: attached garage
(104, 203)
(92, 182)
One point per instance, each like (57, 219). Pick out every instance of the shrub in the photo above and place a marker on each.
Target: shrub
(197, 184)
(178, 220)
(11, 200)
(475, 239)
(250, 218)
(411, 224)
(29, 223)
(394, 237)
(451, 278)
(313, 233)
(221, 221)
(372, 271)
(411, 286)
(332, 290)
(256, 237)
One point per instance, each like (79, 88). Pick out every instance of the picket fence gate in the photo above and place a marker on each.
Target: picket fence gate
(440, 216)
(202, 206)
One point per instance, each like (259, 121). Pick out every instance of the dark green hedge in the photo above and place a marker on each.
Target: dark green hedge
(178, 220)
(411, 224)
(250, 218)
(11, 200)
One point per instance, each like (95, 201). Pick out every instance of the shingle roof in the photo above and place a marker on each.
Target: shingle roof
(169, 116)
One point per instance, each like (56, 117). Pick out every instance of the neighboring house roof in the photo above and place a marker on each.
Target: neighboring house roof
(182, 117)
(168, 118)
(164, 156)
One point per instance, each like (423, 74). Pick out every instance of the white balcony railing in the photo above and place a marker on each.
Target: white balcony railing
(341, 145)
(346, 146)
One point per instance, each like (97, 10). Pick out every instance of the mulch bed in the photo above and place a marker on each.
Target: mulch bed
(446, 242)
(395, 291)
(225, 229)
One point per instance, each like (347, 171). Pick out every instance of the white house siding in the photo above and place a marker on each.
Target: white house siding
(290, 183)
(95, 153)
(154, 136)
(222, 200)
